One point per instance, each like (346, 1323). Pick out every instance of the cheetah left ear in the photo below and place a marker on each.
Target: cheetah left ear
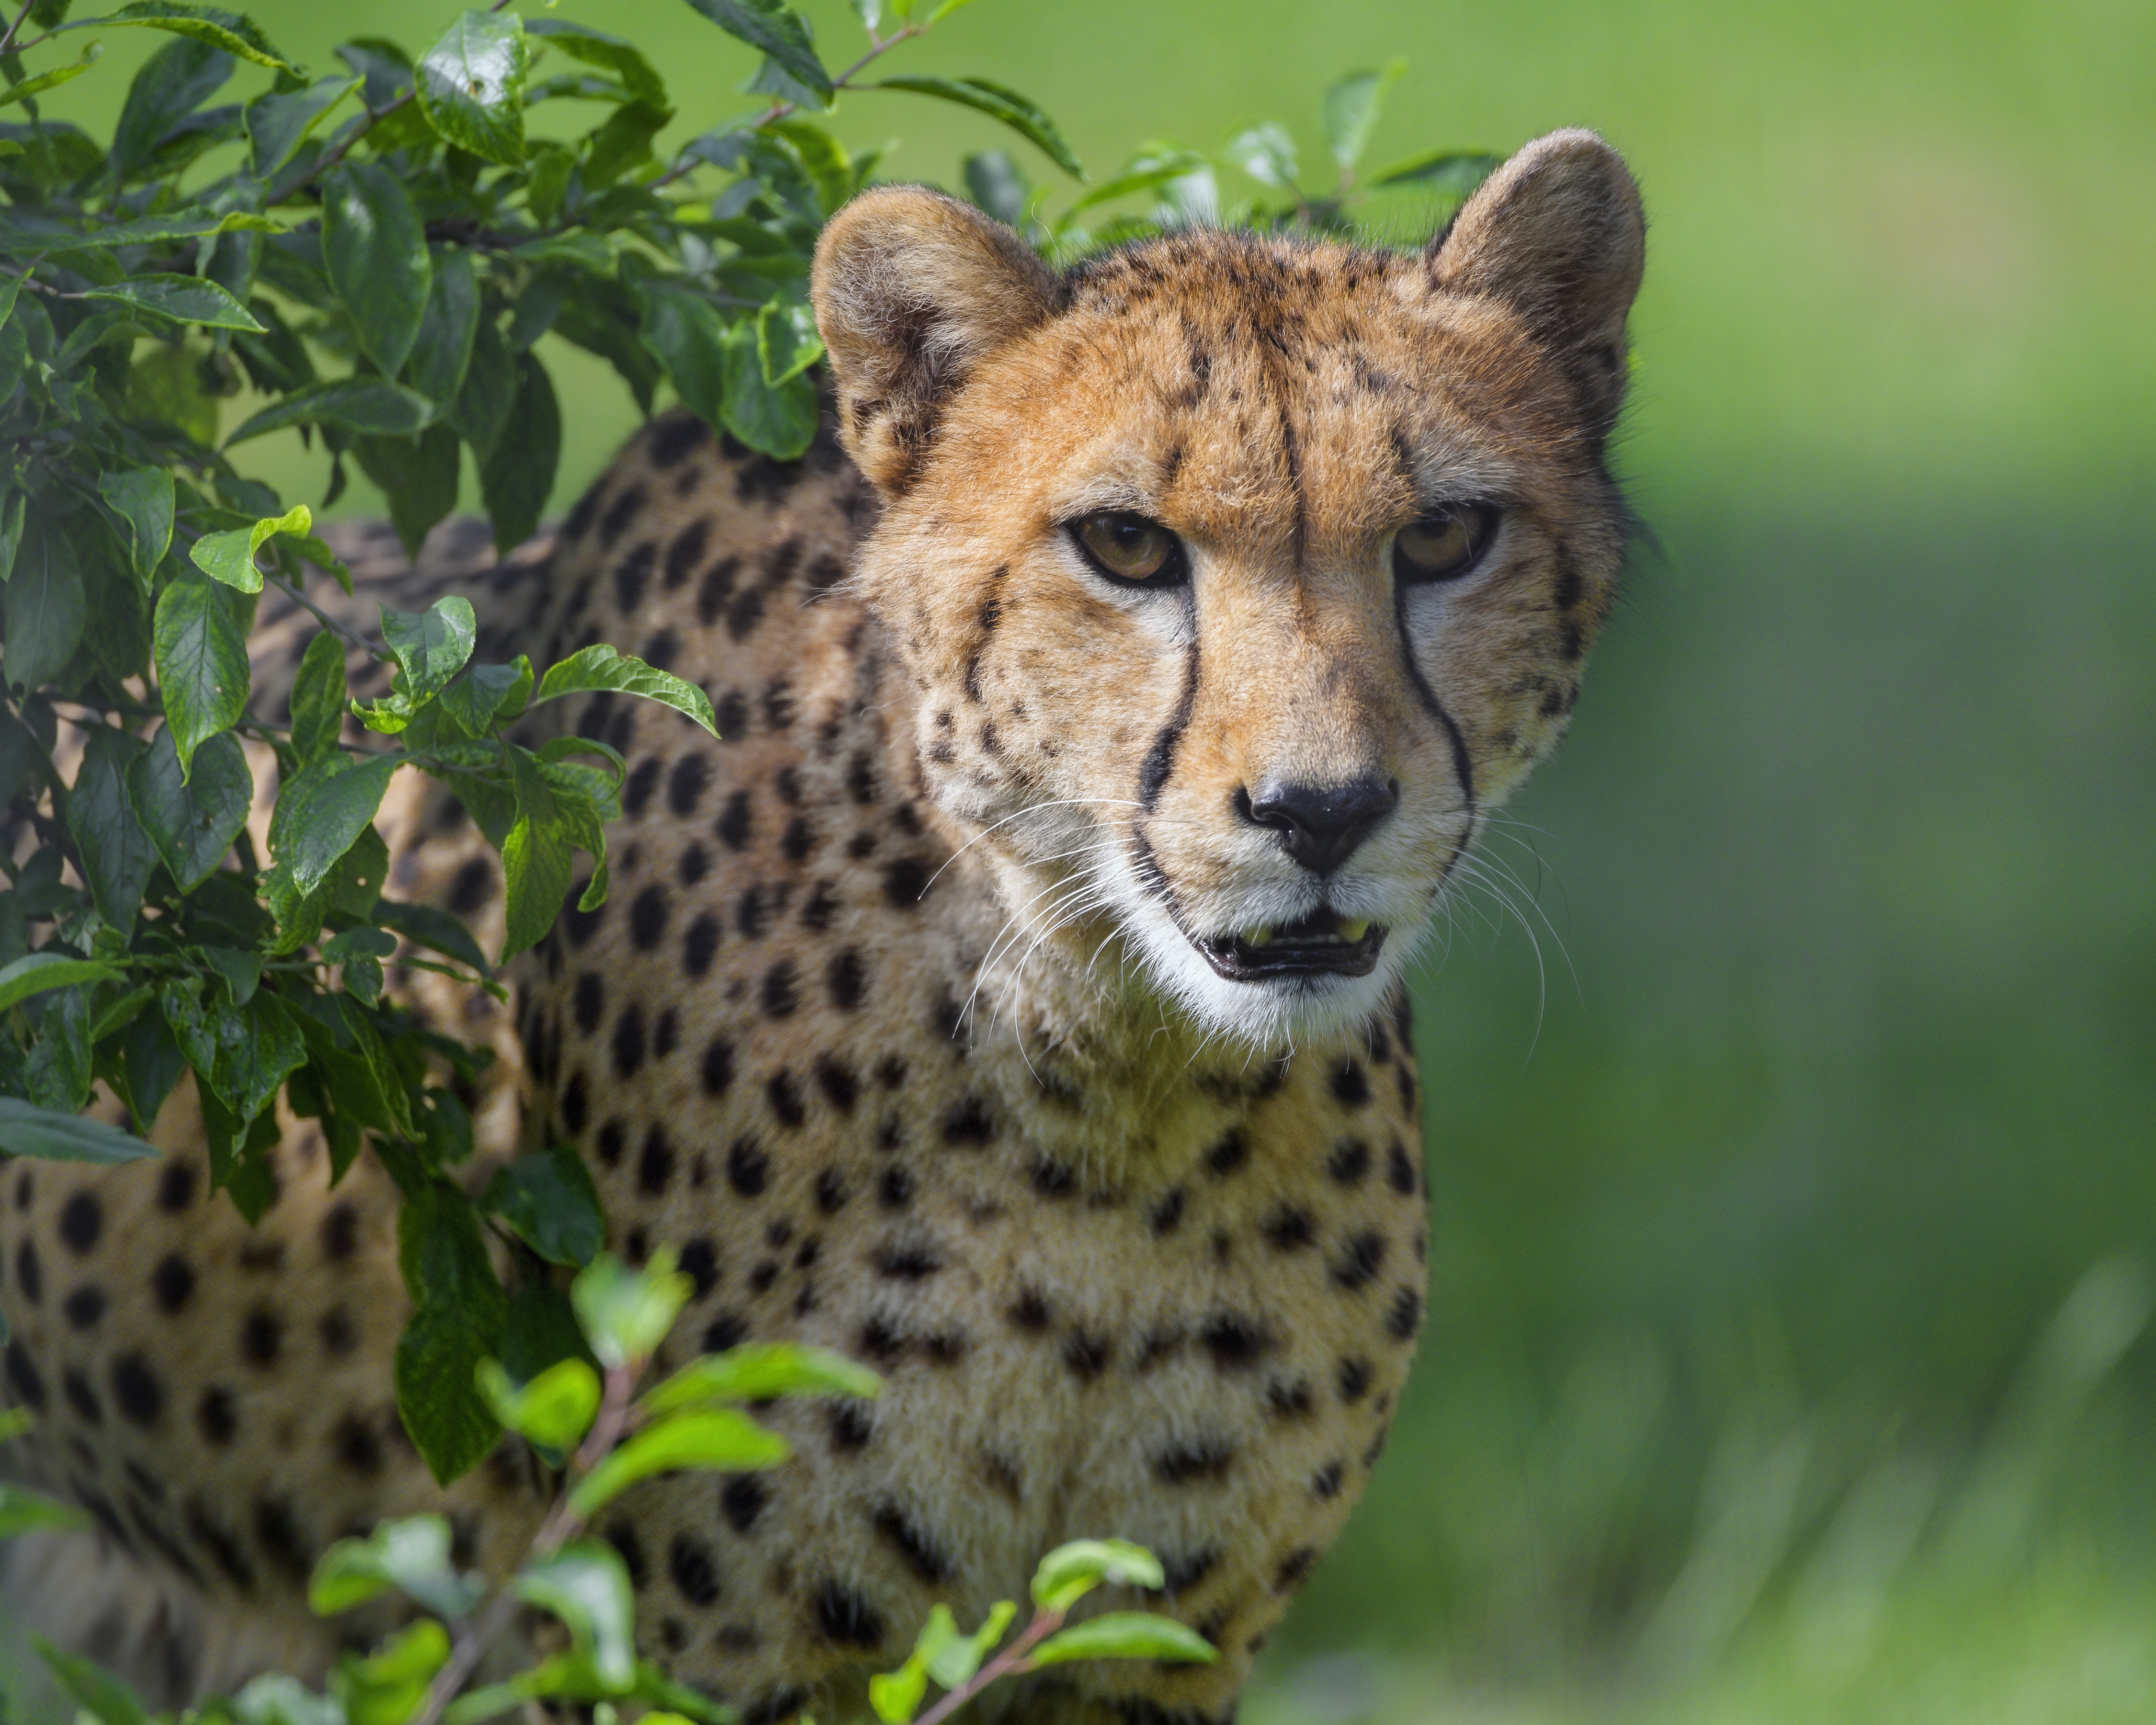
(1557, 233)
(911, 290)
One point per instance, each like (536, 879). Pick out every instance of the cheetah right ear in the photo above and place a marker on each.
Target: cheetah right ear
(911, 290)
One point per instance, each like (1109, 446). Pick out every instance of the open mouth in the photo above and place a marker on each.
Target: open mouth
(1321, 944)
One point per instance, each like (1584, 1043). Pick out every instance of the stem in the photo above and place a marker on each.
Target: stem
(348, 636)
(8, 41)
(1011, 1660)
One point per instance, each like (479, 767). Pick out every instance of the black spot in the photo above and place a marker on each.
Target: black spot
(28, 1276)
(839, 1083)
(778, 705)
(904, 881)
(798, 840)
(695, 1576)
(1207, 1460)
(905, 1260)
(216, 1416)
(261, 1334)
(1167, 1213)
(1327, 1481)
(700, 1263)
(576, 1103)
(1294, 1567)
(23, 1377)
(1052, 1178)
(822, 906)
(1087, 1355)
(968, 1123)
(580, 925)
(84, 1307)
(1236, 1343)
(1351, 1085)
(1288, 1401)
(1359, 1261)
(176, 1188)
(1179, 1574)
(1399, 1169)
(717, 1073)
(636, 794)
(699, 946)
(737, 822)
(922, 1555)
(851, 1427)
(1354, 1380)
(471, 886)
(82, 1220)
(891, 1072)
(82, 1398)
(731, 713)
(626, 508)
(686, 552)
(729, 1329)
(1349, 1162)
(747, 1168)
(588, 1003)
(1405, 1317)
(340, 1234)
(632, 573)
(830, 1191)
(355, 1445)
(695, 863)
(754, 911)
(894, 1190)
(1287, 1229)
(780, 991)
(845, 1616)
(1030, 1311)
(782, 1090)
(613, 1139)
(621, 1535)
(774, 1706)
(339, 1334)
(1230, 1153)
(648, 913)
(628, 1040)
(25, 1189)
(655, 1167)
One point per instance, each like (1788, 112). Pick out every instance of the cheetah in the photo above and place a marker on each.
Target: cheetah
(1012, 997)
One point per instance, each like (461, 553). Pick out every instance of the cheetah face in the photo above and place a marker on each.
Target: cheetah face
(1238, 578)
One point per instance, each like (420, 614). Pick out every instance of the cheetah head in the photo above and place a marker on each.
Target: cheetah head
(1239, 577)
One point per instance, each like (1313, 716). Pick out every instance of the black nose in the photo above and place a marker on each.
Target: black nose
(1321, 825)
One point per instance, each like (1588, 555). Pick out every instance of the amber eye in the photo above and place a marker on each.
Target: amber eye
(1128, 547)
(1442, 545)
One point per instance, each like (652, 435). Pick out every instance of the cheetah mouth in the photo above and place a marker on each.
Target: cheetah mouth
(1323, 943)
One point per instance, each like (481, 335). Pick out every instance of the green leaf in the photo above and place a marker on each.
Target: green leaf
(41, 972)
(241, 971)
(999, 102)
(43, 609)
(30, 87)
(1267, 153)
(181, 298)
(457, 1321)
(318, 699)
(424, 925)
(419, 475)
(1352, 107)
(895, 1696)
(385, 66)
(518, 475)
(1126, 1635)
(488, 394)
(443, 349)
(617, 144)
(321, 813)
(685, 332)
(279, 121)
(1070, 1572)
(484, 691)
(361, 404)
(779, 31)
(95, 1691)
(600, 666)
(374, 248)
(756, 1371)
(586, 1585)
(547, 1198)
(554, 1411)
(954, 1661)
(431, 646)
(720, 1441)
(411, 1556)
(595, 48)
(29, 1130)
(471, 85)
(227, 30)
(388, 1687)
(199, 639)
(1452, 173)
(997, 185)
(1149, 174)
(21, 233)
(117, 855)
(780, 422)
(259, 1047)
(142, 497)
(822, 156)
(787, 343)
(229, 557)
(194, 817)
(24, 1512)
(170, 85)
(626, 1313)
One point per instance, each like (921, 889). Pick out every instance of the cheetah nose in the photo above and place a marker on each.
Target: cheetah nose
(1321, 825)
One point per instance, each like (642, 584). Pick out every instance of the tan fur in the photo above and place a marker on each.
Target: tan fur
(893, 1022)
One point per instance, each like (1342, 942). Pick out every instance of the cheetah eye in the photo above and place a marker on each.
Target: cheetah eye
(1444, 546)
(1130, 548)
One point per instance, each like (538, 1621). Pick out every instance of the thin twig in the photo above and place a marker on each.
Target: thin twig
(348, 636)
(1010, 1661)
(8, 41)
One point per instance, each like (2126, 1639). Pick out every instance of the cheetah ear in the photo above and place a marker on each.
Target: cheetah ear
(911, 289)
(1556, 232)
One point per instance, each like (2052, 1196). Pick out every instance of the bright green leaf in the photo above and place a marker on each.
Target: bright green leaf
(1267, 153)
(31, 87)
(1002, 103)
(41, 972)
(554, 1411)
(388, 1687)
(229, 557)
(756, 1371)
(1126, 1635)
(720, 1440)
(954, 1659)
(600, 666)
(595, 48)
(587, 1586)
(1070, 1572)
(485, 691)
(471, 85)
(626, 1313)
(231, 31)
(412, 1556)
(787, 343)
(1352, 107)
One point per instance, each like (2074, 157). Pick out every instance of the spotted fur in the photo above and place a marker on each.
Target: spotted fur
(894, 1024)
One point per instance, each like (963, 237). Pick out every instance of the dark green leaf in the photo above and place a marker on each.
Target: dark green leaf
(321, 813)
(227, 30)
(318, 699)
(58, 1072)
(151, 1062)
(171, 84)
(260, 1048)
(23, 232)
(418, 475)
(240, 1155)
(443, 349)
(626, 1313)
(279, 121)
(192, 819)
(426, 927)
(518, 475)
(781, 422)
(1070, 1572)
(102, 1696)
(720, 1440)
(27, 1130)
(547, 1198)
(374, 248)
(488, 393)
(822, 156)
(459, 1310)
(411, 1555)
(779, 31)
(361, 404)
(536, 860)
(756, 1371)
(1126, 1635)
(41, 972)
(618, 143)
(180, 299)
(431, 646)
(997, 185)
(486, 689)
(31, 87)
(684, 330)
(117, 855)
(601, 666)
(471, 85)
(200, 638)
(241, 971)
(142, 497)
(1452, 173)
(586, 1585)
(43, 607)
(999, 102)
(1352, 107)
(595, 48)
(554, 1409)
(385, 66)
(542, 1332)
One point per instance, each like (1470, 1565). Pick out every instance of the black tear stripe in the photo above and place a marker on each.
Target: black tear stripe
(1463, 767)
(1160, 758)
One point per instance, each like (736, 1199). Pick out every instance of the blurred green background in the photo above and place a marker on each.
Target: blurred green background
(1786, 1357)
